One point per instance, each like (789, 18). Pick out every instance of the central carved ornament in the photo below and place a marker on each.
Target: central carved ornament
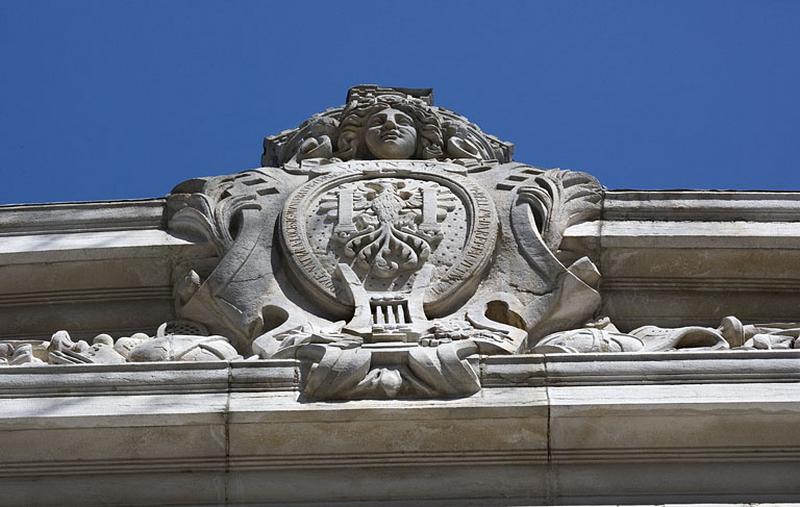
(386, 220)
(387, 226)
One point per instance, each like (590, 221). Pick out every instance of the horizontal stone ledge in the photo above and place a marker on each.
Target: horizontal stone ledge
(460, 458)
(732, 366)
(94, 245)
(713, 235)
(148, 378)
(727, 454)
(81, 216)
(87, 296)
(530, 370)
(700, 284)
(702, 205)
(638, 439)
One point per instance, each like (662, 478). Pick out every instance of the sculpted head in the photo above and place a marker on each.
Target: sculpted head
(385, 123)
(389, 127)
(391, 133)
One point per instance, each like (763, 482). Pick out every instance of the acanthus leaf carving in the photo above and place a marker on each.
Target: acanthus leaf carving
(559, 199)
(603, 336)
(212, 206)
(172, 341)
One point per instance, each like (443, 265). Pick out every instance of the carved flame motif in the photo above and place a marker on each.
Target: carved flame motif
(389, 225)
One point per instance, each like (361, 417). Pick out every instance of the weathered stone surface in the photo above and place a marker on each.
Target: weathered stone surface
(386, 215)
(528, 440)
(393, 311)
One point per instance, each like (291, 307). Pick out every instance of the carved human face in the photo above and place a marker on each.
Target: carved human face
(391, 134)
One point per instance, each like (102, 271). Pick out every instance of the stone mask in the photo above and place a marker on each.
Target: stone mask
(391, 134)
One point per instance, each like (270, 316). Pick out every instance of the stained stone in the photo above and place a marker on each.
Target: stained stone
(392, 309)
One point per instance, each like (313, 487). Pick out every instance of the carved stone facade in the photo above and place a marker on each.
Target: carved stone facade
(392, 254)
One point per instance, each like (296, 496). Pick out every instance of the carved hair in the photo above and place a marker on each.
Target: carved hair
(351, 145)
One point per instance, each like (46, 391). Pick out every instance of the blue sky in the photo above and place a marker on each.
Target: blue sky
(124, 99)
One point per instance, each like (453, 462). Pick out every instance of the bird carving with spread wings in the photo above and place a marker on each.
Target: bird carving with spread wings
(388, 225)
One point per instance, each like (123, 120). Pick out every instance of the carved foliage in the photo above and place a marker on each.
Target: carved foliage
(172, 342)
(559, 199)
(212, 207)
(603, 336)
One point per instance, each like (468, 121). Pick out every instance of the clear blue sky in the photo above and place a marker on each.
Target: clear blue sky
(124, 99)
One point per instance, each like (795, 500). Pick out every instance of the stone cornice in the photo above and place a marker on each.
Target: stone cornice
(618, 206)
(81, 217)
(519, 371)
(644, 427)
(702, 205)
